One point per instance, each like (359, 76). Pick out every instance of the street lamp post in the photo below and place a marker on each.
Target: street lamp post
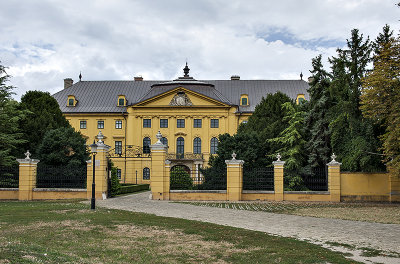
(93, 150)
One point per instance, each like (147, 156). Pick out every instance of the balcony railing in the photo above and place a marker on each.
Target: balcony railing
(184, 156)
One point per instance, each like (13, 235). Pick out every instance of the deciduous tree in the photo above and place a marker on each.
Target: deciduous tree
(381, 98)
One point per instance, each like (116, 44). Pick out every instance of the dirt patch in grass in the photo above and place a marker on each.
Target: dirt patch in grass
(171, 243)
(387, 215)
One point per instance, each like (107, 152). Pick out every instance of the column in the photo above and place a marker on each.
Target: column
(394, 185)
(27, 177)
(334, 179)
(278, 177)
(234, 182)
(100, 170)
(159, 180)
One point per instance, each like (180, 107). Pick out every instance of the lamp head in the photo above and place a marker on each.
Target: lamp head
(93, 148)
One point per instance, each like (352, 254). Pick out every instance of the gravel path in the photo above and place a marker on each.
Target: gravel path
(316, 230)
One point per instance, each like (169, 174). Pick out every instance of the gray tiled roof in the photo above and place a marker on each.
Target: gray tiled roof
(101, 96)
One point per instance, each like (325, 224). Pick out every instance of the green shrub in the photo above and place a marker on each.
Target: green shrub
(180, 179)
(129, 188)
(115, 185)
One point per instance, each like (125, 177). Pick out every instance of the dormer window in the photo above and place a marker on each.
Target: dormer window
(300, 98)
(71, 101)
(121, 100)
(244, 100)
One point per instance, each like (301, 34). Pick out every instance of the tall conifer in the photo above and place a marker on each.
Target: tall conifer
(317, 121)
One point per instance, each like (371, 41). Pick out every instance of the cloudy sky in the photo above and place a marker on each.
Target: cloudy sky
(45, 41)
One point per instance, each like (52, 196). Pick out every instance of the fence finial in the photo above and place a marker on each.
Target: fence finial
(233, 156)
(159, 137)
(28, 155)
(100, 137)
(333, 157)
(278, 157)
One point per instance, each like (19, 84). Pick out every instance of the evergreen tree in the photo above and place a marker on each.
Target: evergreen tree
(292, 138)
(63, 146)
(45, 115)
(357, 58)
(10, 116)
(267, 122)
(382, 39)
(317, 121)
(353, 138)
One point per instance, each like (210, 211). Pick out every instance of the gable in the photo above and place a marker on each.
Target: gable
(180, 97)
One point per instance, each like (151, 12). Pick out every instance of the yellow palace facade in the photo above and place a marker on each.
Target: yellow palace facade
(190, 114)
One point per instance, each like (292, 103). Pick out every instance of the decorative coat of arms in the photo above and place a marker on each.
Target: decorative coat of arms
(180, 99)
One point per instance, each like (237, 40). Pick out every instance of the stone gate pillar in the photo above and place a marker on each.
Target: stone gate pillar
(278, 178)
(101, 174)
(159, 180)
(334, 179)
(234, 181)
(27, 177)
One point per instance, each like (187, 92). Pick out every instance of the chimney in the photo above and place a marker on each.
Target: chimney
(138, 78)
(310, 79)
(68, 83)
(235, 77)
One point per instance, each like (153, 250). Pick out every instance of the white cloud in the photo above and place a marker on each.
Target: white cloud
(43, 42)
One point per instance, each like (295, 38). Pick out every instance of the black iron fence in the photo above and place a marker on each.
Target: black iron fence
(316, 179)
(9, 177)
(61, 176)
(182, 178)
(258, 179)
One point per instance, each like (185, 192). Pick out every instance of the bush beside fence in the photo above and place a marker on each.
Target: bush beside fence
(127, 188)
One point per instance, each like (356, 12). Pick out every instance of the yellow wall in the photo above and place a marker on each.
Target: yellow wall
(11, 194)
(197, 196)
(58, 195)
(365, 186)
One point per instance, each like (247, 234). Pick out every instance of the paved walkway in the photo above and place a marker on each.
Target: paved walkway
(316, 230)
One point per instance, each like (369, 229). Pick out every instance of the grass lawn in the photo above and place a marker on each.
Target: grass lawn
(69, 232)
(369, 212)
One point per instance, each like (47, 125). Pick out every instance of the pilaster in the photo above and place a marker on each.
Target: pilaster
(27, 177)
(159, 180)
(334, 179)
(278, 178)
(234, 182)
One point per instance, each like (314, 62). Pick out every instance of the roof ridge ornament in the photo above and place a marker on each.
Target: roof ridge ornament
(186, 71)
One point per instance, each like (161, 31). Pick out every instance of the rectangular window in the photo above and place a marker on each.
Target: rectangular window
(83, 125)
(197, 123)
(146, 122)
(119, 174)
(214, 123)
(118, 124)
(100, 124)
(180, 123)
(244, 101)
(118, 147)
(163, 123)
(121, 101)
(71, 102)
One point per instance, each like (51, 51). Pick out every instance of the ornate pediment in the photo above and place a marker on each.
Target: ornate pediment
(180, 99)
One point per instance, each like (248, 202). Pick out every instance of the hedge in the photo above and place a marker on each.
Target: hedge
(129, 188)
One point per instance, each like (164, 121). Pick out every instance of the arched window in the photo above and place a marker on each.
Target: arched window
(180, 145)
(146, 174)
(214, 145)
(197, 145)
(164, 140)
(146, 145)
